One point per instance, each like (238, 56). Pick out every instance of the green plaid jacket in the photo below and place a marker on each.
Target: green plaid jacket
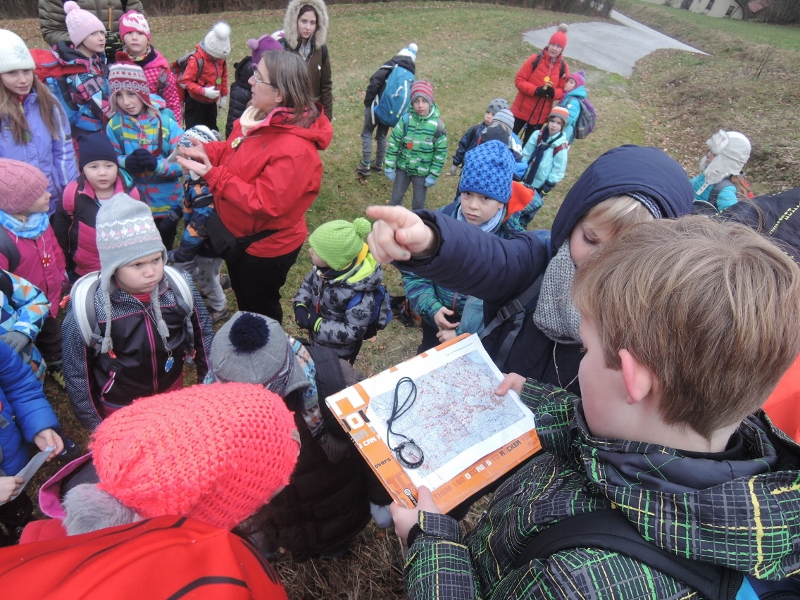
(413, 149)
(742, 511)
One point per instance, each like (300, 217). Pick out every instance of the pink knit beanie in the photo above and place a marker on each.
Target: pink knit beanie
(134, 21)
(81, 23)
(21, 185)
(216, 453)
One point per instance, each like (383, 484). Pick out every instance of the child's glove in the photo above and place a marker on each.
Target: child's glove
(389, 174)
(16, 340)
(132, 163)
(301, 316)
(142, 161)
(429, 181)
(210, 93)
(545, 189)
(223, 103)
(171, 257)
(453, 170)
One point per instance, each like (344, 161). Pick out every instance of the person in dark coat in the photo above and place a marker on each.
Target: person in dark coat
(241, 91)
(406, 59)
(626, 185)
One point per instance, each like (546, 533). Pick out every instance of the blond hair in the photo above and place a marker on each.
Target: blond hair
(616, 214)
(710, 308)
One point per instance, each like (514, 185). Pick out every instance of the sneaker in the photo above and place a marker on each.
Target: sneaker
(378, 168)
(224, 281)
(363, 169)
(55, 370)
(219, 315)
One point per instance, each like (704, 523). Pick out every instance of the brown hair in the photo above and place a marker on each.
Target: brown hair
(288, 72)
(15, 118)
(711, 308)
(616, 214)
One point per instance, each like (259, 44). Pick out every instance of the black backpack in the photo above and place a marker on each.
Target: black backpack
(609, 529)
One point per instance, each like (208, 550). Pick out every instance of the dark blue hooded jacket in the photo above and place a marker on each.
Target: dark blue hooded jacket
(472, 262)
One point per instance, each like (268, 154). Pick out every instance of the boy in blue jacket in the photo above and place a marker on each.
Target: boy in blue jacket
(25, 417)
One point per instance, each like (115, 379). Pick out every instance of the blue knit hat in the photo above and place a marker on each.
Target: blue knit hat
(488, 170)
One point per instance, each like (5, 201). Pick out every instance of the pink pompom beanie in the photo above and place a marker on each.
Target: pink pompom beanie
(81, 23)
(134, 21)
(216, 453)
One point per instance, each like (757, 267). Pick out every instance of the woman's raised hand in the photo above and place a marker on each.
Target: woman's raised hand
(398, 234)
(196, 151)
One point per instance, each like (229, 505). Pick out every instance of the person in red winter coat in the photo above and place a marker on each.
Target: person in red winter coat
(205, 78)
(540, 82)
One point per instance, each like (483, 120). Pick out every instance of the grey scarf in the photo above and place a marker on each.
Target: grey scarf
(555, 314)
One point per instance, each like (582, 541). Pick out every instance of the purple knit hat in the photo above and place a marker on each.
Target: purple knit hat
(266, 43)
(579, 78)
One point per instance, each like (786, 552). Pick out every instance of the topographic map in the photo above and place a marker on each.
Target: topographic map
(455, 413)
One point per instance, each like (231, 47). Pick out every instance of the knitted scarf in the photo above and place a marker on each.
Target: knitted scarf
(555, 315)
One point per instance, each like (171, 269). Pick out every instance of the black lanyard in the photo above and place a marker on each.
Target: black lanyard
(408, 452)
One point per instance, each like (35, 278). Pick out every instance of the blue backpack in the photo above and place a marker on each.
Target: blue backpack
(393, 100)
(381, 311)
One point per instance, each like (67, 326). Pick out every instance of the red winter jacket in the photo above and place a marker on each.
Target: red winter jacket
(527, 105)
(41, 262)
(214, 74)
(268, 178)
(160, 78)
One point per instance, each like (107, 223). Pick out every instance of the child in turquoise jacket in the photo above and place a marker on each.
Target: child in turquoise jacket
(546, 152)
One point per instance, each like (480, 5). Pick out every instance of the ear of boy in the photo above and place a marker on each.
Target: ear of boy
(638, 378)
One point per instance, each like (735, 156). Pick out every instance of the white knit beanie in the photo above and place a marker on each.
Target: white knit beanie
(218, 41)
(14, 54)
(126, 231)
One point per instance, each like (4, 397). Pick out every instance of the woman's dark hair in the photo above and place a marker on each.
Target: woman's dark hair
(289, 73)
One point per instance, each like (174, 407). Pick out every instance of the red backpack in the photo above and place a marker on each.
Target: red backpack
(164, 557)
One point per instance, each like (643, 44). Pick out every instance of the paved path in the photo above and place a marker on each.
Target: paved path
(610, 47)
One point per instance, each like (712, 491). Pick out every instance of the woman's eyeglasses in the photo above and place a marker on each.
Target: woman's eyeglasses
(257, 78)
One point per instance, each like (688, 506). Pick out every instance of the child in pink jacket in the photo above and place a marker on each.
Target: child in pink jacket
(29, 249)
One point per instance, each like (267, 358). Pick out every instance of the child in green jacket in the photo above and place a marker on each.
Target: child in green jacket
(417, 148)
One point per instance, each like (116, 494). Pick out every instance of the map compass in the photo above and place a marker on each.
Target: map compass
(408, 452)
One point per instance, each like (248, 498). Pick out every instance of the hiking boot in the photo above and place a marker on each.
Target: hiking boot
(374, 166)
(56, 371)
(363, 169)
(219, 315)
(224, 281)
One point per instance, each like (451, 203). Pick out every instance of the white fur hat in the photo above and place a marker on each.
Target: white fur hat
(218, 41)
(732, 151)
(14, 54)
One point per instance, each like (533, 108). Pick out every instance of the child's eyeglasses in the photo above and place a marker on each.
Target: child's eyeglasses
(257, 78)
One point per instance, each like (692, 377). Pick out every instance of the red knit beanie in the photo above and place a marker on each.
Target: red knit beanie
(130, 78)
(216, 453)
(560, 36)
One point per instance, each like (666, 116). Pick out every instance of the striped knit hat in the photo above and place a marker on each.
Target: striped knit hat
(561, 112)
(216, 453)
(130, 78)
(126, 231)
(422, 88)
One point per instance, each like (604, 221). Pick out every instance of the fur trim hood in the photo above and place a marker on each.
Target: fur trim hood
(290, 22)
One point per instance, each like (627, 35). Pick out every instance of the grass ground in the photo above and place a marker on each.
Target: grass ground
(471, 52)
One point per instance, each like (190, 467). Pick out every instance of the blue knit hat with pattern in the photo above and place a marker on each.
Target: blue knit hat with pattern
(488, 170)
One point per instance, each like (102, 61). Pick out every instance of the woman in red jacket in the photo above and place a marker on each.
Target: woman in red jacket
(265, 176)
(540, 82)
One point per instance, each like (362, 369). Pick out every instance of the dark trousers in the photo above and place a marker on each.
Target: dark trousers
(518, 125)
(199, 113)
(168, 229)
(49, 340)
(257, 282)
(429, 339)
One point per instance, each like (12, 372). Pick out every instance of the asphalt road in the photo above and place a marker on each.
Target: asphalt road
(611, 47)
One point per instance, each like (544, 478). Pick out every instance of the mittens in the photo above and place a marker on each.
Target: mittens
(210, 93)
(16, 340)
(390, 174)
(223, 103)
(301, 316)
(429, 181)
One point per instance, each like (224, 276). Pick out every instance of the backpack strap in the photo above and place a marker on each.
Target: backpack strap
(9, 249)
(439, 129)
(536, 61)
(82, 298)
(6, 286)
(515, 310)
(718, 187)
(609, 529)
(185, 299)
(330, 380)
(560, 147)
(68, 197)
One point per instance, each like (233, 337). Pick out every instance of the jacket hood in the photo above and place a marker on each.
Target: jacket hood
(243, 71)
(578, 92)
(405, 62)
(290, 22)
(619, 171)
(320, 132)
(67, 54)
(365, 275)
(742, 513)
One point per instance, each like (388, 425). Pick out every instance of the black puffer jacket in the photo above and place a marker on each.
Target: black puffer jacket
(240, 92)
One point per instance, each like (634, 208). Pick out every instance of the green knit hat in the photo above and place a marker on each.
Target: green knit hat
(339, 242)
